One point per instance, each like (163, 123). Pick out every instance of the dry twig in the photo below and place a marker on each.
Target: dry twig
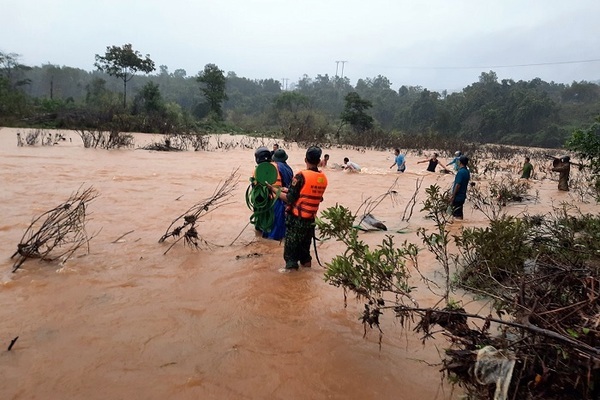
(184, 226)
(371, 204)
(58, 232)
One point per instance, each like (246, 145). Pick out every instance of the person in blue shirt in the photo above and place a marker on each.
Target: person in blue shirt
(454, 161)
(285, 172)
(399, 161)
(459, 189)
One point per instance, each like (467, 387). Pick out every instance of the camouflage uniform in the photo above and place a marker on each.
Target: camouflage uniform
(299, 234)
(299, 231)
(563, 167)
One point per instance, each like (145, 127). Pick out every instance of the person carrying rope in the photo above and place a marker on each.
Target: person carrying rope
(284, 178)
(303, 199)
(258, 196)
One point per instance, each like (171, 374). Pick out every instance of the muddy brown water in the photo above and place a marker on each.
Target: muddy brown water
(128, 322)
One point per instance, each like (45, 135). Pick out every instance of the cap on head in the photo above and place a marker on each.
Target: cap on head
(313, 155)
(464, 160)
(280, 155)
(457, 154)
(262, 154)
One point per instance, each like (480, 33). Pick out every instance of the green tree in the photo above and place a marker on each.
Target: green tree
(355, 114)
(292, 110)
(326, 94)
(385, 100)
(12, 70)
(212, 84)
(581, 92)
(586, 143)
(123, 62)
(98, 96)
(423, 111)
(149, 100)
(13, 102)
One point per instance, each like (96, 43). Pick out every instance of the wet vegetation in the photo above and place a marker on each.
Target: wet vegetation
(57, 233)
(538, 274)
(185, 226)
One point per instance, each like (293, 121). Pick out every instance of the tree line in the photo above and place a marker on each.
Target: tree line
(319, 109)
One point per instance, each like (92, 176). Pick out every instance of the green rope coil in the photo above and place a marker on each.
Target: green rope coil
(260, 202)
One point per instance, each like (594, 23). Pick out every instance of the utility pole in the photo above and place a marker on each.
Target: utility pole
(337, 63)
(284, 83)
(343, 62)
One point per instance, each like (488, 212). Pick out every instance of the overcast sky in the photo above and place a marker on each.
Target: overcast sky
(437, 44)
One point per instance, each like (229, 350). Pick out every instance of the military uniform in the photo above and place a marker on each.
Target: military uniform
(303, 198)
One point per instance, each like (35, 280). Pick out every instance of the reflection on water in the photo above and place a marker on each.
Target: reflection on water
(126, 321)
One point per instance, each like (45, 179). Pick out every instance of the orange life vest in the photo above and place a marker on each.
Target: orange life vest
(278, 181)
(311, 194)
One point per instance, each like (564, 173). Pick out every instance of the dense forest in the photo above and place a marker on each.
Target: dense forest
(323, 108)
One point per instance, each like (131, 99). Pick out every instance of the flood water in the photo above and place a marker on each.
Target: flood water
(126, 321)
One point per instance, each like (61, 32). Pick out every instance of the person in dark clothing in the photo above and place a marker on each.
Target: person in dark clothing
(261, 155)
(303, 199)
(433, 162)
(286, 174)
(563, 167)
(459, 189)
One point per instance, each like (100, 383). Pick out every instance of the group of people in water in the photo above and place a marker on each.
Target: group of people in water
(562, 165)
(296, 198)
(400, 162)
(296, 203)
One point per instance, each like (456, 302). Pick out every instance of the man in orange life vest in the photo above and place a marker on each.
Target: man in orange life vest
(303, 199)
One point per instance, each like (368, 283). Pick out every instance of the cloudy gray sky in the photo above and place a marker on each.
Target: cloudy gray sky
(437, 44)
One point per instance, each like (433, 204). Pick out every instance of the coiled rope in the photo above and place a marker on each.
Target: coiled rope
(260, 202)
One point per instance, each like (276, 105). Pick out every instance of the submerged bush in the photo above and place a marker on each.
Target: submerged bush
(544, 272)
(492, 254)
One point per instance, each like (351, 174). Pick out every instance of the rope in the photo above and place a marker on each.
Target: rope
(315, 248)
(260, 202)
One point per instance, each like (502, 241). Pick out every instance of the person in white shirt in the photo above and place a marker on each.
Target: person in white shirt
(350, 166)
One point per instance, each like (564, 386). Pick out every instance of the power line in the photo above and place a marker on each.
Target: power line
(491, 66)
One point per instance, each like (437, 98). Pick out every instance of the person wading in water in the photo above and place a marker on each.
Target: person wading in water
(563, 167)
(303, 199)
